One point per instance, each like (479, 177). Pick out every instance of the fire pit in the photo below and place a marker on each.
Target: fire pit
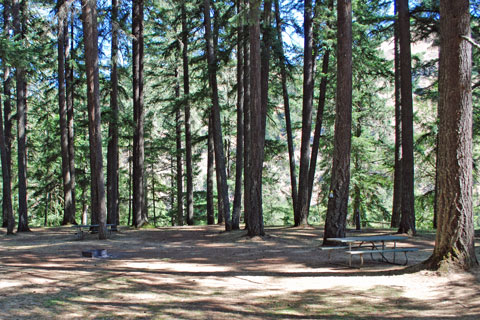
(95, 253)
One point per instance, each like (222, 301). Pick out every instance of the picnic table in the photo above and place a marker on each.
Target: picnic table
(81, 229)
(373, 245)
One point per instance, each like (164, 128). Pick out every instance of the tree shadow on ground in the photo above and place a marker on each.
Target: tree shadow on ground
(204, 273)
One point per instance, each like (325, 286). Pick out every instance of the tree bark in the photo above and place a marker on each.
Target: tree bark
(178, 155)
(89, 17)
(217, 127)
(139, 214)
(318, 125)
(356, 187)
(246, 118)
(112, 156)
(152, 170)
(47, 204)
(70, 85)
(172, 187)
(256, 146)
(286, 103)
(18, 17)
(301, 212)
(321, 104)
(335, 224)
(8, 219)
(265, 45)
(68, 209)
(210, 173)
(188, 133)
(454, 244)
(5, 134)
(84, 204)
(130, 187)
(435, 198)
(407, 222)
(397, 179)
(237, 201)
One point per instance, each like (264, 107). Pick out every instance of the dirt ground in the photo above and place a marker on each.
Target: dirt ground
(204, 273)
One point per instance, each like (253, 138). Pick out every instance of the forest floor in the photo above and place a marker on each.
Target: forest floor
(203, 273)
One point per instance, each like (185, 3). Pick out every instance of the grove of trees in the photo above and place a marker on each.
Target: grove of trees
(347, 112)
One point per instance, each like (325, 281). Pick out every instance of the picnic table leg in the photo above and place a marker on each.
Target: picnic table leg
(383, 256)
(373, 248)
(395, 247)
(350, 256)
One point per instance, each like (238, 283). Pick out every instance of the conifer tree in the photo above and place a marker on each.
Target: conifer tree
(335, 224)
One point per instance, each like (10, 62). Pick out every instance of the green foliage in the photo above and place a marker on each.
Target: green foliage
(373, 113)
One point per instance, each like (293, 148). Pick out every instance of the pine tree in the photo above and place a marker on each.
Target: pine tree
(407, 222)
(454, 243)
(335, 224)
(99, 210)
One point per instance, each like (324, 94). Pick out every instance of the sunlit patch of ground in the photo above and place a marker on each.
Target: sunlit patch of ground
(204, 273)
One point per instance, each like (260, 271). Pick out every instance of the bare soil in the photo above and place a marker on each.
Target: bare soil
(203, 273)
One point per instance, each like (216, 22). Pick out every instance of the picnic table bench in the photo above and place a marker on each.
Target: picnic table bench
(82, 228)
(381, 252)
(372, 245)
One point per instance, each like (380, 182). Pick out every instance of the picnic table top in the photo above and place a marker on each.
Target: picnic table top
(378, 238)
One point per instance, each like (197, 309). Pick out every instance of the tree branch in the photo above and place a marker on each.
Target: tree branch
(472, 41)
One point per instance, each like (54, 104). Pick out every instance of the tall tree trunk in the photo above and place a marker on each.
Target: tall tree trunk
(84, 205)
(454, 244)
(8, 218)
(188, 134)
(68, 209)
(286, 103)
(47, 204)
(321, 104)
(5, 137)
(139, 214)
(259, 66)
(266, 44)
(112, 153)
(172, 187)
(357, 199)
(246, 117)
(301, 212)
(18, 27)
(178, 155)
(318, 125)
(356, 208)
(256, 146)
(407, 222)
(220, 203)
(217, 127)
(69, 77)
(89, 17)
(335, 224)
(130, 186)
(210, 173)
(435, 198)
(237, 201)
(397, 180)
(152, 170)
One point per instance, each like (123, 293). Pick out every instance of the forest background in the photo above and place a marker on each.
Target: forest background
(166, 25)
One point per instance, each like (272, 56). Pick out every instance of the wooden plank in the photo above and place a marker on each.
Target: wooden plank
(333, 248)
(381, 250)
(369, 239)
